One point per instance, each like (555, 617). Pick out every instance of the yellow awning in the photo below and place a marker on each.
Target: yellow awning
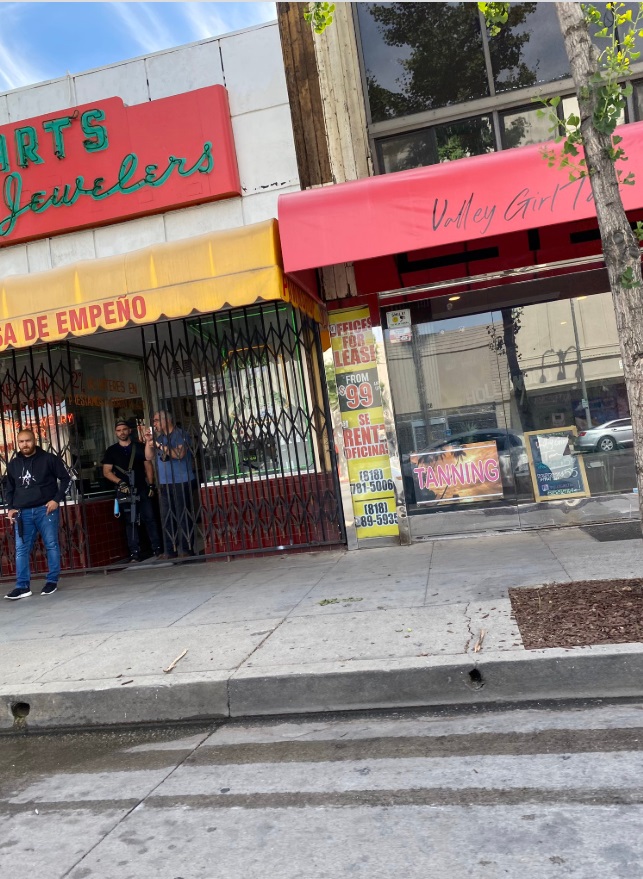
(196, 275)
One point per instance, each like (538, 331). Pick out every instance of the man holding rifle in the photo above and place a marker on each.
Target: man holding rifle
(124, 464)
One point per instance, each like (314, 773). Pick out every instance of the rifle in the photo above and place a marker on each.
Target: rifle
(126, 492)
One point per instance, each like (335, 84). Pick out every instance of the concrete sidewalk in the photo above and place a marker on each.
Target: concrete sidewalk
(308, 632)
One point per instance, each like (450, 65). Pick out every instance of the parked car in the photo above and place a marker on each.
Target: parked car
(505, 440)
(606, 437)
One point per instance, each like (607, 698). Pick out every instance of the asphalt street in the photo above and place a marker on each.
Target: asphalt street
(531, 792)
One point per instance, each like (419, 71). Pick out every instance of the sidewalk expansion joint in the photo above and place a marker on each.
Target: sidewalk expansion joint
(252, 653)
(467, 644)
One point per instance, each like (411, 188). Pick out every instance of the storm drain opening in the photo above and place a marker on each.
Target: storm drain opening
(476, 679)
(20, 710)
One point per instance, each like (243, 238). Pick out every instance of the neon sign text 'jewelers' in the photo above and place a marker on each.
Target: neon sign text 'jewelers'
(109, 162)
(68, 194)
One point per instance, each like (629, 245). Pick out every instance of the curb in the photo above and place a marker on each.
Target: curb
(81, 707)
(615, 671)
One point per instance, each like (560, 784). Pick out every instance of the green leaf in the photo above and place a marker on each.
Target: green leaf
(627, 278)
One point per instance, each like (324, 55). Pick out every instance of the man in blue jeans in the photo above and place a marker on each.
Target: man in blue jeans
(36, 483)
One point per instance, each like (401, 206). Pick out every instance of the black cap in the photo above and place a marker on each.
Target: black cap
(122, 421)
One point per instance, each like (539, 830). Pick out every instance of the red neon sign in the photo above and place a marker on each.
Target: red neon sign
(103, 162)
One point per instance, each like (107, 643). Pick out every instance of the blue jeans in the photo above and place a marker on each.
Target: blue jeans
(36, 521)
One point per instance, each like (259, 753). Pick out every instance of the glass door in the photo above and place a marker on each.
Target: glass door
(462, 452)
(562, 362)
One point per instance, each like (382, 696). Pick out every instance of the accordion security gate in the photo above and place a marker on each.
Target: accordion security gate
(245, 387)
(36, 389)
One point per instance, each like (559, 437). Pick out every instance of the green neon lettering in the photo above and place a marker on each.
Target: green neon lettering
(56, 198)
(26, 146)
(4, 155)
(150, 174)
(12, 194)
(126, 172)
(38, 202)
(96, 135)
(172, 162)
(98, 184)
(55, 127)
(68, 194)
(204, 164)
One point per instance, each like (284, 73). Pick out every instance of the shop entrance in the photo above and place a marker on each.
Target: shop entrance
(245, 388)
(511, 412)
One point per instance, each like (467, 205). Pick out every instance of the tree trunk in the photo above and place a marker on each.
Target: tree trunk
(510, 322)
(620, 246)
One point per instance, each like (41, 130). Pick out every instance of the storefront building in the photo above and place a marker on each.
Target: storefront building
(141, 271)
(475, 268)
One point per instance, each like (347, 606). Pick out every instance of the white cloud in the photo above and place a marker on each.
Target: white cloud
(215, 19)
(144, 26)
(14, 70)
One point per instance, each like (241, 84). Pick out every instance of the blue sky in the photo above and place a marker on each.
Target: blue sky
(40, 41)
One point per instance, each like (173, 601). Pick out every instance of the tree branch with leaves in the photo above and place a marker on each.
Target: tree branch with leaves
(320, 15)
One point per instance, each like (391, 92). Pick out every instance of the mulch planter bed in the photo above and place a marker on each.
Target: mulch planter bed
(579, 614)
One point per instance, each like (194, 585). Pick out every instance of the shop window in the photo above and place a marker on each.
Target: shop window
(523, 127)
(468, 137)
(538, 391)
(529, 49)
(251, 392)
(406, 151)
(70, 397)
(409, 51)
(442, 143)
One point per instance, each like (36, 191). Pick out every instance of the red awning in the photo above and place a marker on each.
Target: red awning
(466, 200)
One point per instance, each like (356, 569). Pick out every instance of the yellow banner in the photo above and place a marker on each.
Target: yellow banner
(376, 518)
(364, 433)
(199, 275)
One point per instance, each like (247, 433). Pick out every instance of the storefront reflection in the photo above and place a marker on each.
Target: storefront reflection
(539, 370)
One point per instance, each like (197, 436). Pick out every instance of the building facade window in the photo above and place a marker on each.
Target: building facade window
(409, 50)
(529, 50)
(637, 97)
(434, 65)
(441, 143)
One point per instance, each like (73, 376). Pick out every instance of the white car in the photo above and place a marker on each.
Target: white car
(606, 437)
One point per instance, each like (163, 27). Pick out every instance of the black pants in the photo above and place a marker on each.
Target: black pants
(146, 512)
(178, 517)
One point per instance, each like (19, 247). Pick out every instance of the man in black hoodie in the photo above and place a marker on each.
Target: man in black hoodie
(36, 483)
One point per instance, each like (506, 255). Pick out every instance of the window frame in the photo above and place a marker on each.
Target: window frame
(492, 106)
